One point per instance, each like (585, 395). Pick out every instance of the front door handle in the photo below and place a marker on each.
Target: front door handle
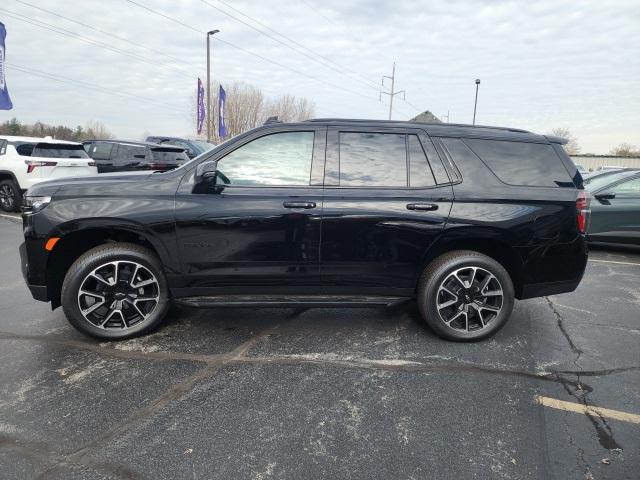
(422, 206)
(299, 204)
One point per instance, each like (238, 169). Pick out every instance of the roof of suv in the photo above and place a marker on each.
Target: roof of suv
(439, 129)
(137, 143)
(12, 138)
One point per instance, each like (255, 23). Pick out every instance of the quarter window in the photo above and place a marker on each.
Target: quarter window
(277, 159)
(3, 147)
(373, 159)
(522, 163)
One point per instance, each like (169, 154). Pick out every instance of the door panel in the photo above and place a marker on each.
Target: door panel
(248, 233)
(617, 220)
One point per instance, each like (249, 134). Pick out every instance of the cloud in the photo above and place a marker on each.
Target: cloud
(543, 64)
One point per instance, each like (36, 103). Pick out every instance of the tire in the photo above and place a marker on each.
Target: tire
(483, 315)
(10, 196)
(136, 304)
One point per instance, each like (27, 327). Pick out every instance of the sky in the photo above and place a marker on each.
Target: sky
(543, 64)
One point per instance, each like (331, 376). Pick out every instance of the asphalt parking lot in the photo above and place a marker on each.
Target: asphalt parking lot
(326, 393)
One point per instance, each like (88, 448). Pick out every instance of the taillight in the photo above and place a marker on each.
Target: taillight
(582, 210)
(91, 164)
(32, 164)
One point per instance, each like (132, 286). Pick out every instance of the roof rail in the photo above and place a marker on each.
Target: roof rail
(433, 124)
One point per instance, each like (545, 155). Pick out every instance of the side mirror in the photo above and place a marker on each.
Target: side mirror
(604, 197)
(206, 171)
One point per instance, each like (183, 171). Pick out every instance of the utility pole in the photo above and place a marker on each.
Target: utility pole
(393, 93)
(447, 116)
(209, 34)
(475, 104)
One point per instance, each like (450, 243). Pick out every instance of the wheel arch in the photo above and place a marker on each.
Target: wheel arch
(485, 242)
(75, 242)
(8, 175)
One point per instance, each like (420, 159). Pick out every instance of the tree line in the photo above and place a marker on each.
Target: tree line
(572, 146)
(91, 130)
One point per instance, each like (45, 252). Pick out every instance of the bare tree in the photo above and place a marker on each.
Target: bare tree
(246, 108)
(571, 147)
(626, 150)
(97, 130)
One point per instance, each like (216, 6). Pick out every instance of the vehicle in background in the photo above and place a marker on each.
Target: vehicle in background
(327, 212)
(601, 171)
(583, 171)
(615, 208)
(25, 161)
(123, 156)
(192, 147)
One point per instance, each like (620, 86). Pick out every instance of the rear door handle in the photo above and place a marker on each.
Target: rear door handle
(299, 204)
(422, 206)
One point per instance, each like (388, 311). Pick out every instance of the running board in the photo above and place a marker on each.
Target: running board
(289, 300)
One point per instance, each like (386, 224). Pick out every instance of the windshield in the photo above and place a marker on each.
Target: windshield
(596, 183)
(59, 150)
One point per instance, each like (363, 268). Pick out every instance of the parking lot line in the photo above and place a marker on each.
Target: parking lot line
(12, 217)
(613, 261)
(587, 409)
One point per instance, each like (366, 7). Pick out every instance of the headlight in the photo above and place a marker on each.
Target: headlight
(34, 204)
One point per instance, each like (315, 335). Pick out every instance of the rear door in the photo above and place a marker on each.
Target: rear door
(56, 160)
(387, 197)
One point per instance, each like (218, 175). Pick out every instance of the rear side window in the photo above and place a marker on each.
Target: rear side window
(521, 163)
(100, 150)
(24, 149)
(130, 153)
(373, 159)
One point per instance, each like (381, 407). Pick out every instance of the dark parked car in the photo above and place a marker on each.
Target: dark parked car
(192, 147)
(123, 156)
(323, 212)
(615, 216)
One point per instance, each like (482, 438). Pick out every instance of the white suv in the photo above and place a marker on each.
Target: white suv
(25, 161)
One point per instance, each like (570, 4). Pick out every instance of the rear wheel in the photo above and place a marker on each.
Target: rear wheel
(10, 196)
(115, 291)
(465, 295)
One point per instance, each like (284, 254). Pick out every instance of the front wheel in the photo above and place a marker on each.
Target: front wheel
(115, 291)
(465, 296)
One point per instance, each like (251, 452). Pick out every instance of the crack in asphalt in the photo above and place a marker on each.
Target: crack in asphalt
(581, 390)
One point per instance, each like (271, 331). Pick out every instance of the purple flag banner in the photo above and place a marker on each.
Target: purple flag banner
(201, 108)
(5, 101)
(222, 126)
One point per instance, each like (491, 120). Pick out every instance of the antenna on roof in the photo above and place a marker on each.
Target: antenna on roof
(273, 119)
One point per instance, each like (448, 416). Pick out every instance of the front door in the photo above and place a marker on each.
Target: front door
(617, 219)
(384, 205)
(259, 225)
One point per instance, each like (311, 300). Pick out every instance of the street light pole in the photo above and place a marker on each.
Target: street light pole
(475, 104)
(209, 34)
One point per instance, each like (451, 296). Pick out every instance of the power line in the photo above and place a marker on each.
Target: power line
(248, 52)
(70, 34)
(91, 86)
(104, 32)
(327, 62)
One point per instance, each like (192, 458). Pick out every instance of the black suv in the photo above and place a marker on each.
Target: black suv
(323, 212)
(124, 156)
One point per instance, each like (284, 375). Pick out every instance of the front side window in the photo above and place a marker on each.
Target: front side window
(373, 159)
(628, 189)
(278, 159)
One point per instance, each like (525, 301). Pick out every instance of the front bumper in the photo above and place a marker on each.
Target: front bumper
(38, 292)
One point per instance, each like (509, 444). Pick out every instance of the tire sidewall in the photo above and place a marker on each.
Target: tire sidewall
(17, 196)
(428, 298)
(90, 261)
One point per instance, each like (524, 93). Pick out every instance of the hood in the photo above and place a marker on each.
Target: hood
(50, 187)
